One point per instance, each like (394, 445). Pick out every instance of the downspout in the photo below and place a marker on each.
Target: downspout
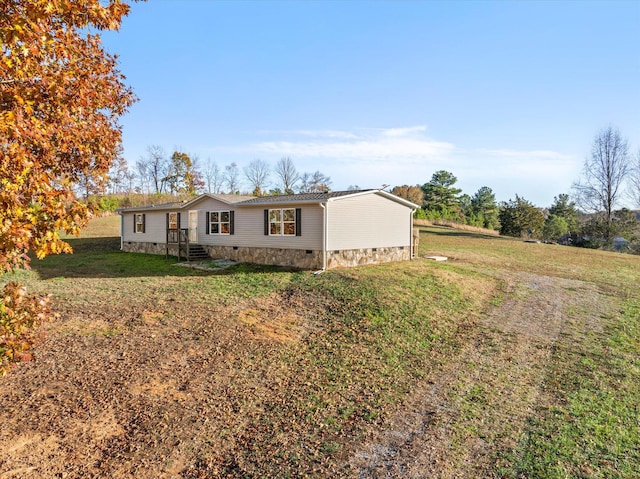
(325, 226)
(411, 234)
(121, 231)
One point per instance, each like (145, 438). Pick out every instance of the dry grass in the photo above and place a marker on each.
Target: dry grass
(456, 226)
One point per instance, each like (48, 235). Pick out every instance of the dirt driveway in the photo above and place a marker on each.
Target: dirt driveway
(470, 410)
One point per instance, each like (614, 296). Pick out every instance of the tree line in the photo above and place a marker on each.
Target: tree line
(157, 173)
(590, 215)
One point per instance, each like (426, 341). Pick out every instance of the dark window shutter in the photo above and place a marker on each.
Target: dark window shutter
(298, 221)
(143, 220)
(231, 221)
(179, 221)
(134, 222)
(208, 221)
(167, 221)
(266, 222)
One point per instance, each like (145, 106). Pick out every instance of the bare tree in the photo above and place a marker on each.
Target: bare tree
(232, 177)
(604, 174)
(196, 175)
(90, 183)
(153, 168)
(129, 179)
(316, 182)
(117, 175)
(144, 179)
(257, 174)
(213, 177)
(288, 175)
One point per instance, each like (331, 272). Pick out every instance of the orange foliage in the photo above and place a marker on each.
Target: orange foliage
(19, 314)
(60, 98)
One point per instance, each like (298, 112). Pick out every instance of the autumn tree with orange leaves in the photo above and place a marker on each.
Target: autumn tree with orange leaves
(61, 96)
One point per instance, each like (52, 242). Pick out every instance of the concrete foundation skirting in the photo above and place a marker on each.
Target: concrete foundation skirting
(303, 259)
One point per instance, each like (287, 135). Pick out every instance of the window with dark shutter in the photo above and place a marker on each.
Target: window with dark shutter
(232, 217)
(219, 222)
(138, 222)
(298, 221)
(266, 222)
(282, 222)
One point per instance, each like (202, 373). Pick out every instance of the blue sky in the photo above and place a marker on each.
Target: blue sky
(502, 94)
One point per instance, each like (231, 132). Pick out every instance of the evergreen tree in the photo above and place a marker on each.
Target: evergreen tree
(520, 218)
(440, 196)
(485, 208)
(564, 208)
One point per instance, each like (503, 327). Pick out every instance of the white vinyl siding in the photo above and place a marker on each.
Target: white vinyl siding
(354, 222)
(155, 227)
(249, 230)
(367, 221)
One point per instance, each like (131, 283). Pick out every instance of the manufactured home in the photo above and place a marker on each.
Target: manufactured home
(309, 231)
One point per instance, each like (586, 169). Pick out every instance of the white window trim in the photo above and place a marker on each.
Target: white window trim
(175, 223)
(139, 223)
(219, 223)
(282, 222)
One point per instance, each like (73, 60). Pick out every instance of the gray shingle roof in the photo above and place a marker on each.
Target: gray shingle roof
(159, 206)
(298, 198)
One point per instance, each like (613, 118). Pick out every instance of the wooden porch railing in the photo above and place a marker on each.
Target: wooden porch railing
(179, 236)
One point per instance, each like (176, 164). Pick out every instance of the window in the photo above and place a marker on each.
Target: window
(173, 221)
(220, 222)
(283, 222)
(138, 223)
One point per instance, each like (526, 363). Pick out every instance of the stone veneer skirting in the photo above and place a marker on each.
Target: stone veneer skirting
(297, 258)
(304, 259)
(359, 257)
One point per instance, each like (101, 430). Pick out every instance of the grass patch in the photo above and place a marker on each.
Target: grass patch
(594, 430)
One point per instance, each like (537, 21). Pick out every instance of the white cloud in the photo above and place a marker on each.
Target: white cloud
(312, 133)
(375, 149)
(404, 131)
(370, 157)
(546, 154)
(400, 144)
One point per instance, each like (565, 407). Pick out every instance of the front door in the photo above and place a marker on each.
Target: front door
(193, 227)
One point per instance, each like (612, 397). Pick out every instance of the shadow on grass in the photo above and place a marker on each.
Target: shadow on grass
(102, 258)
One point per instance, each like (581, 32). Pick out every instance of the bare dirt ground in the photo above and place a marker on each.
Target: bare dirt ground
(124, 399)
(474, 406)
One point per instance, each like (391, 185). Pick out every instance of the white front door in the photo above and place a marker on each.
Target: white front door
(193, 227)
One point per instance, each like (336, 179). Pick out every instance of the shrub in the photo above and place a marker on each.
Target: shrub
(20, 314)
